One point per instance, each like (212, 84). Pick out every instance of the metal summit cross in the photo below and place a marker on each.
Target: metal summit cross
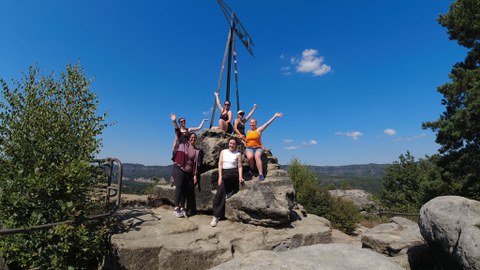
(230, 52)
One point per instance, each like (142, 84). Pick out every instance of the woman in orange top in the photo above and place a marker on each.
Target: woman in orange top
(254, 145)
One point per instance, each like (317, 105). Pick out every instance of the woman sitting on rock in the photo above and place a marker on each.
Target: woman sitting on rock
(254, 145)
(225, 122)
(230, 175)
(239, 123)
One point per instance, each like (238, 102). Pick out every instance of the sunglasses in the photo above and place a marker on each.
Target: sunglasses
(226, 104)
(182, 121)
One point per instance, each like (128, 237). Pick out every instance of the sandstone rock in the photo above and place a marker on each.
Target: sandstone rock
(329, 256)
(262, 203)
(361, 198)
(451, 226)
(155, 239)
(212, 142)
(394, 237)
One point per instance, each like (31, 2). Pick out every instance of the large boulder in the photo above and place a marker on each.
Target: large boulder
(400, 239)
(361, 198)
(212, 142)
(451, 226)
(323, 256)
(393, 238)
(156, 239)
(262, 203)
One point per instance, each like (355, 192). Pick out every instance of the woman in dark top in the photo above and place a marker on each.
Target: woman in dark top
(239, 123)
(185, 132)
(225, 122)
(186, 158)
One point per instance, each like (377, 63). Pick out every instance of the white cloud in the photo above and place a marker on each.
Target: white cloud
(208, 112)
(311, 142)
(286, 71)
(417, 137)
(311, 63)
(408, 139)
(287, 140)
(354, 134)
(292, 147)
(420, 136)
(390, 132)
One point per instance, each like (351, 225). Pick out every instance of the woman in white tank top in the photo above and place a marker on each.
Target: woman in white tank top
(230, 175)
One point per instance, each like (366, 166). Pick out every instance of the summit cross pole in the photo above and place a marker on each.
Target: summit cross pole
(236, 28)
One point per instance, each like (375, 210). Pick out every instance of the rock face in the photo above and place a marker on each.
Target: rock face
(267, 203)
(394, 237)
(155, 239)
(361, 198)
(326, 257)
(451, 226)
(400, 239)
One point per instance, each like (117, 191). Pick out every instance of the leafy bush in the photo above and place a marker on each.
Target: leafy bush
(408, 184)
(344, 215)
(48, 137)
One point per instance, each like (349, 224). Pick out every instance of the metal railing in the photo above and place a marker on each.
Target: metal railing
(111, 191)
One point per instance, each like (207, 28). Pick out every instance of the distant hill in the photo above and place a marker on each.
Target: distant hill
(132, 171)
(362, 176)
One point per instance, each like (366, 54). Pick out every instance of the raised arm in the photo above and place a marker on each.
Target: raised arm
(260, 129)
(174, 120)
(251, 112)
(199, 127)
(219, 104)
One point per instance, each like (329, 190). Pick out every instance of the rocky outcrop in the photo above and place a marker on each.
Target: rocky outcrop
(267, 203)
(401, 240)
(393, 238)
(327, 257)
(156, 239)
(361, 198)
(451, 226)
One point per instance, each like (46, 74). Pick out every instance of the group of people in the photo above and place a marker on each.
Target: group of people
(187, 158)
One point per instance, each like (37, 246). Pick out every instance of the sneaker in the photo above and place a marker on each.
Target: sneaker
(183, 212)
(261, 178)
(214, 222)
(250, 174)
(178, 212)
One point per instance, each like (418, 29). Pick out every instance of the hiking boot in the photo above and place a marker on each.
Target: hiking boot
(261, 178)
(214, 222)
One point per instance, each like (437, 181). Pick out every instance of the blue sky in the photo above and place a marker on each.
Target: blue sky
(354, 79)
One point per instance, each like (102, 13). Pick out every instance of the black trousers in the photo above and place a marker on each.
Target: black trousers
(184, 188)
(228, 187)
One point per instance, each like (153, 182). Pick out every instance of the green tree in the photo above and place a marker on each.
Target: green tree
(458, 128)
(49, 131)
(408, 184)
(318, 201)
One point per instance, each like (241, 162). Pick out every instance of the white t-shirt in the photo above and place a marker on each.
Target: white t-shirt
(230, 159)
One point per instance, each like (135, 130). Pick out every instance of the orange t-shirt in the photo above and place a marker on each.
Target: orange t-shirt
(254, 139)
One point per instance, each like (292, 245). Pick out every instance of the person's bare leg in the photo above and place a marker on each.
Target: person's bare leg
(258, 161)
(250, 159)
